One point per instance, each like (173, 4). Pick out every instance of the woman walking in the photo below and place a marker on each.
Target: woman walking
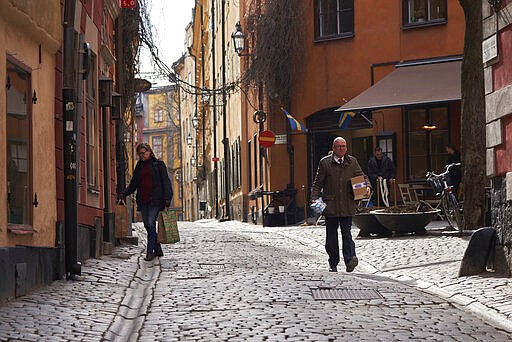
(154, 192)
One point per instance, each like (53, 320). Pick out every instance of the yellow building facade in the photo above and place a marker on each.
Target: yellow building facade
(30, 36)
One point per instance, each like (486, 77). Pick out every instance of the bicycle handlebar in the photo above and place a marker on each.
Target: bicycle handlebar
(447, 170)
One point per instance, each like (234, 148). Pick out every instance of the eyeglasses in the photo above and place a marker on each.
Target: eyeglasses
(339, 146)
(141, 153)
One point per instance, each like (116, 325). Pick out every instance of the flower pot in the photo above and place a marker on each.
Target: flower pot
(405, 223)
(369, 225)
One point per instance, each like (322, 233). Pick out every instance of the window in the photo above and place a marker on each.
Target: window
(334, 19)
(387, 141)
(426, 146)
(236, 164)
(159, 115)
(156, 142)
(419, 12)
(18, 135)
(249, 166)
(92, 131)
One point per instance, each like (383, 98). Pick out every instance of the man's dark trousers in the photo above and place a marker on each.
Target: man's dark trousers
(331, 239)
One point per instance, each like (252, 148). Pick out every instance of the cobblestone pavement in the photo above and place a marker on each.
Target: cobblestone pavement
(232, 281)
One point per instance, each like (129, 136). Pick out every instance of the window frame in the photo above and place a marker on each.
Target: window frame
(158, 116)
(26, 225)
(320, 24)
(429, 155)
(407, 23)
(92, 127)
(157, 142)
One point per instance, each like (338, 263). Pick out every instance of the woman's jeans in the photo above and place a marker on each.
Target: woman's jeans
(331, 239)
(149, 217)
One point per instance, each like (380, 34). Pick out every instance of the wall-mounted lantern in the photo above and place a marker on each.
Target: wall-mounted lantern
(115, 111)
(105, 89)
(195, 121)
(238, 38)
(205, 96)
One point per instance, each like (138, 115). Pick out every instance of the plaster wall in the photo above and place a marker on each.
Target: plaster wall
(21, 45)
(333, 72)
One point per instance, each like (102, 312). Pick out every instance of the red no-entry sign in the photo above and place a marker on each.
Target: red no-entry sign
(267, 138)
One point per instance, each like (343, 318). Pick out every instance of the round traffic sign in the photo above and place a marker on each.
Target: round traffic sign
(266, 138)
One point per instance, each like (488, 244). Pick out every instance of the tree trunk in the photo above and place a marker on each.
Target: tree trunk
(473, 118)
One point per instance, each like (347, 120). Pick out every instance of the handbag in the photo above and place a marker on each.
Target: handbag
(121, 219)
(168, 226)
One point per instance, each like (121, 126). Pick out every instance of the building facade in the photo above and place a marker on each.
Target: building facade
(497, 48)
(30, 34)
(344, 54)
(58, 109)
(161, 129)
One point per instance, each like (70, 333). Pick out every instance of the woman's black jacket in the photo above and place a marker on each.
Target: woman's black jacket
(161, 191)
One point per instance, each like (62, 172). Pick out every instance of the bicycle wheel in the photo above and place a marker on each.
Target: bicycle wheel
(452, 211)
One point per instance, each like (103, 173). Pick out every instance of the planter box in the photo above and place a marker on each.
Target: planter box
(369, 225)
(406, 223)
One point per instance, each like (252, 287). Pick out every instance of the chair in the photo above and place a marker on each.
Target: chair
(407, 194)
(424, 193)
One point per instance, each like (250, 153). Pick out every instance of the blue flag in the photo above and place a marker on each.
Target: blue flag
(295, 125)
(345, 119)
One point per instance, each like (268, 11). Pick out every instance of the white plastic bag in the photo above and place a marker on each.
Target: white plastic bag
(318, 205)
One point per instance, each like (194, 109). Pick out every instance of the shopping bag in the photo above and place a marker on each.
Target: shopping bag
(121, 219)
(168, 226)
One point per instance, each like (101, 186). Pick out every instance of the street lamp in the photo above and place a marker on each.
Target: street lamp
(195, 121)
(238, 39)
(189, 140)
(205, 96)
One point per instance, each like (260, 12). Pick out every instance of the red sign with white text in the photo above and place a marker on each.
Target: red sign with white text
(128, 3)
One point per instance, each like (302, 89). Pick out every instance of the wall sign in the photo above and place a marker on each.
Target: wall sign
(490, 48)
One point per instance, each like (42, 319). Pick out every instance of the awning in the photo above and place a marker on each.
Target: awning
(410, 85)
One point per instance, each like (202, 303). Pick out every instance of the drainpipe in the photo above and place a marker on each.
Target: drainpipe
(225, 139)
(120, 127)
(214, 99)
(203, 115)
(73, 268)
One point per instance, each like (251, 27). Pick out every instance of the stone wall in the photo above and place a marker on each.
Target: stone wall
(501, 218)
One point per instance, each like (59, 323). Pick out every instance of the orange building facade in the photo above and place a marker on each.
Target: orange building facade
(340, 62)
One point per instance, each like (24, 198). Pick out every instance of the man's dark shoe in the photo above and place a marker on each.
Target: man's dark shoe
(149, 256)
(352, 264)
(333, 269)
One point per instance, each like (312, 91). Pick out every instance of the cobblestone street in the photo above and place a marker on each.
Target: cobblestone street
(233, 281)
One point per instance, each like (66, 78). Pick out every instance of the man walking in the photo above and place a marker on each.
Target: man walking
(333, 177)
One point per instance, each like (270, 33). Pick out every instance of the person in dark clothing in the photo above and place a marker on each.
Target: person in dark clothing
(455, 175)
(380, 167)
(333, 183)
(154, 192)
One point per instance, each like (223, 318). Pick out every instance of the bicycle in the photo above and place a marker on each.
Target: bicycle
(449, 205)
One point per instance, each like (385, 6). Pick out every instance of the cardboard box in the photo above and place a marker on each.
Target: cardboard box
(359, 187)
